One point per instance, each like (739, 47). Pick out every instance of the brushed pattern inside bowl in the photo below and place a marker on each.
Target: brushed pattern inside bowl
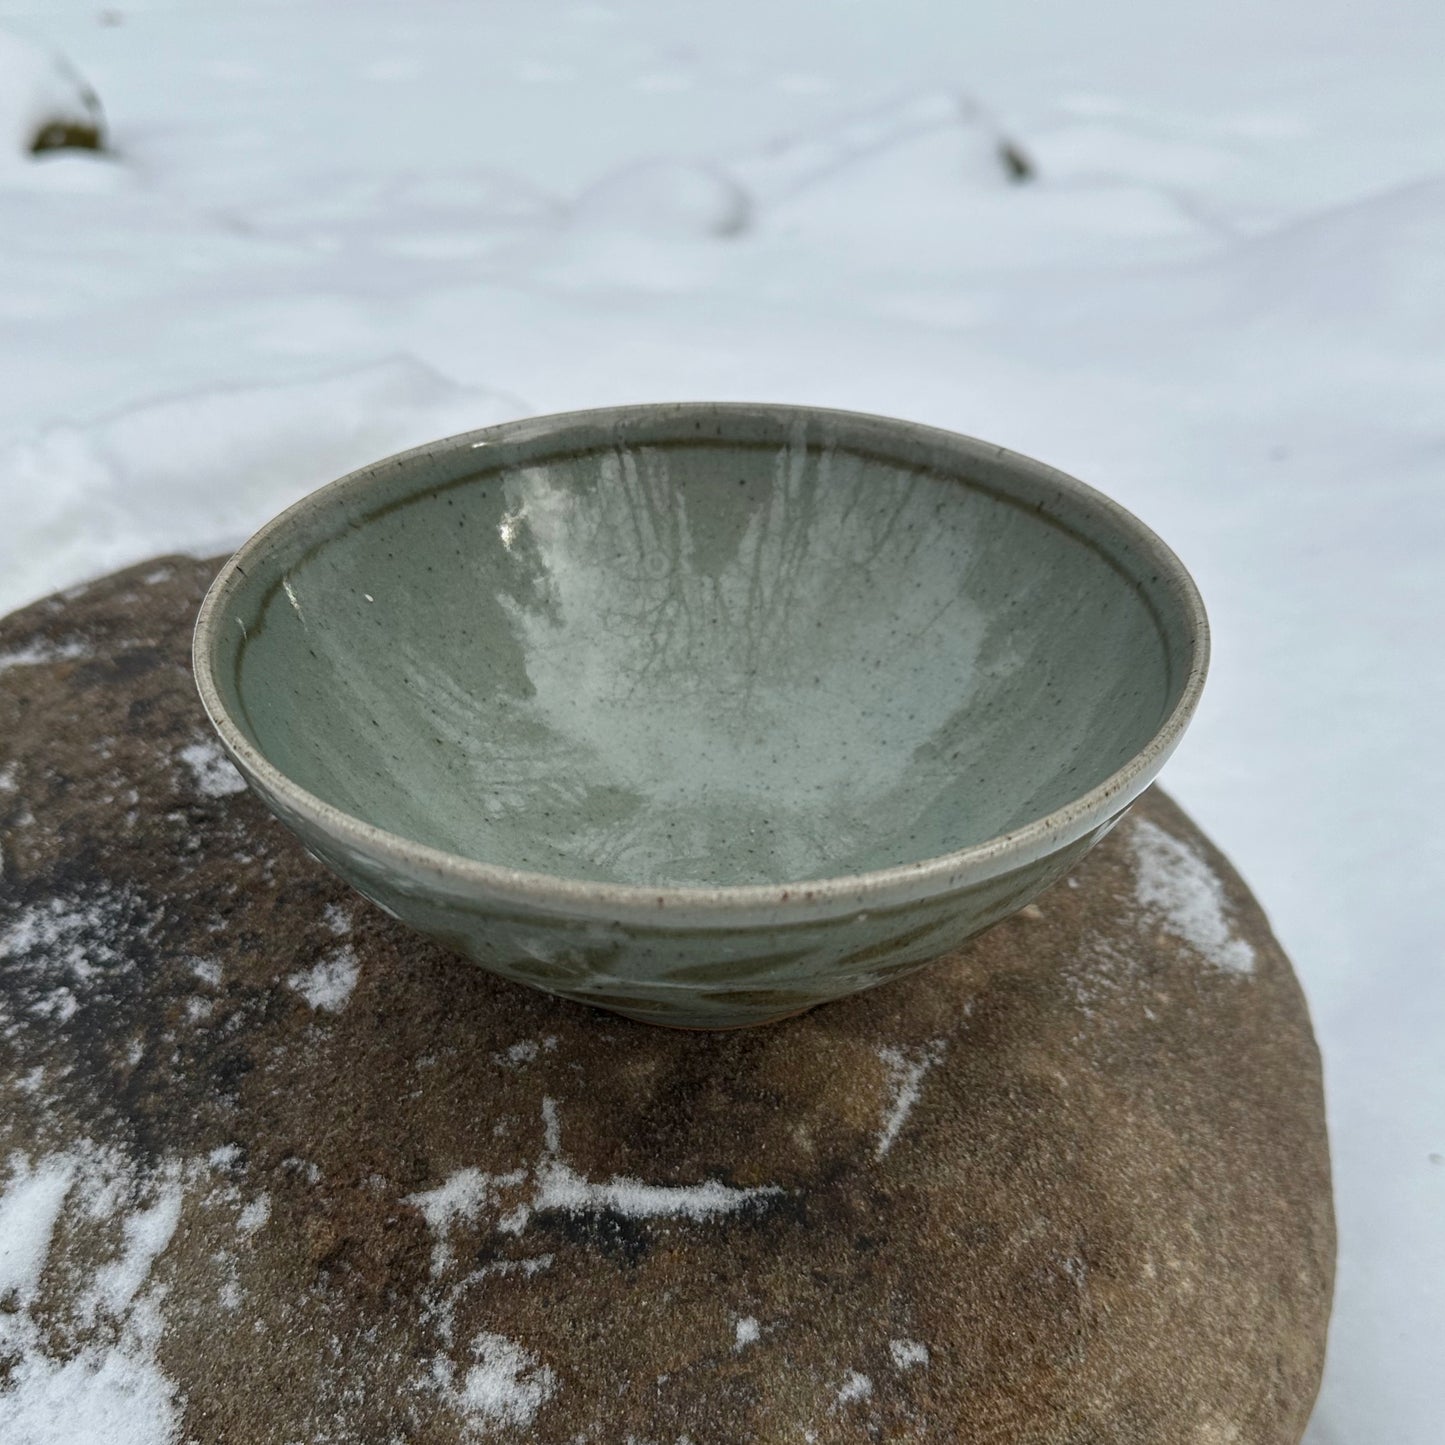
(706, 661)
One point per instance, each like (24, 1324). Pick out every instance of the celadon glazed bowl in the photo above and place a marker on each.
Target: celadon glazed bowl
(701, 713)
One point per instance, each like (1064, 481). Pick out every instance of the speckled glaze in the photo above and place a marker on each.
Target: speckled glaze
(704, 714)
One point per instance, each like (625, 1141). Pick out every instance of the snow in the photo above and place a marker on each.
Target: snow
(37, 653)
(1176, 885)
(328, 984)
(560, 1187)
(524, 1051)
(459, 1199)
(146, 1234)
(208, 970)
(63, 951)
(254, 1214)
(664, 198)
(1221, 298)
(212, 772)
(99, 1395)
(907, 1353)
(28, 1211)
(92, 494)
(468, 1194)
(337, 919)
(905, 1083)
(746, 1332)
(507, 1385)
(110, 1389)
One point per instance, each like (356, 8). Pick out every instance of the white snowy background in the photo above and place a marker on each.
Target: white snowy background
(335, 228)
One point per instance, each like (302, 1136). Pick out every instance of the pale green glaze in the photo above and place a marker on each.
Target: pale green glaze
(593, 697)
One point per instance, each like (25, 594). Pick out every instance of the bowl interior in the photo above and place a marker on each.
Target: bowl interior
(662, 657)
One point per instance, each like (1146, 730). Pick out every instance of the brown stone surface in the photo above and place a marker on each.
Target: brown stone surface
(1070, 1185)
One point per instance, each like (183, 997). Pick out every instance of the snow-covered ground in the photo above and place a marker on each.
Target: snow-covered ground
(334, 230)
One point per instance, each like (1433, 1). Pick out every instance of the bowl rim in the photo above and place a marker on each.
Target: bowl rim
(1093, 810)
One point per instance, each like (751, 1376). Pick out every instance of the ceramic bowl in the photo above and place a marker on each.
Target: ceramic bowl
(704, 714)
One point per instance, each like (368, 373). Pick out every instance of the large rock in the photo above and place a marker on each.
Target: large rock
(277, 1170)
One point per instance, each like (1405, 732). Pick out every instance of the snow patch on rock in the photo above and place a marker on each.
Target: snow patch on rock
(1177, 887)
(559, 1186)
(111, 1387)
(523, 1052)
(63, 952)
(254, 1215)
(328, 984)
(337, 919)
(28, 1211)
(856, 1386)
(212, 772)
(459, 1199)
(506, 1387)
(905, 1082)
(41, 652)
(511, 1200)
(907, 1353)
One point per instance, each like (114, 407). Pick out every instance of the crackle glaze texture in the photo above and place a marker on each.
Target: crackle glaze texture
(698, 648)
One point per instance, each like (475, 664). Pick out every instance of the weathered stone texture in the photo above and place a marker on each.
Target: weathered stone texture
(1067, 1186)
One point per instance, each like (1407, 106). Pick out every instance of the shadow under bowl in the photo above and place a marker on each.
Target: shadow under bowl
(701, 713)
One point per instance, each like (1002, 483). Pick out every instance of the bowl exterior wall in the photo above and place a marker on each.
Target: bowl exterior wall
(726, 973)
